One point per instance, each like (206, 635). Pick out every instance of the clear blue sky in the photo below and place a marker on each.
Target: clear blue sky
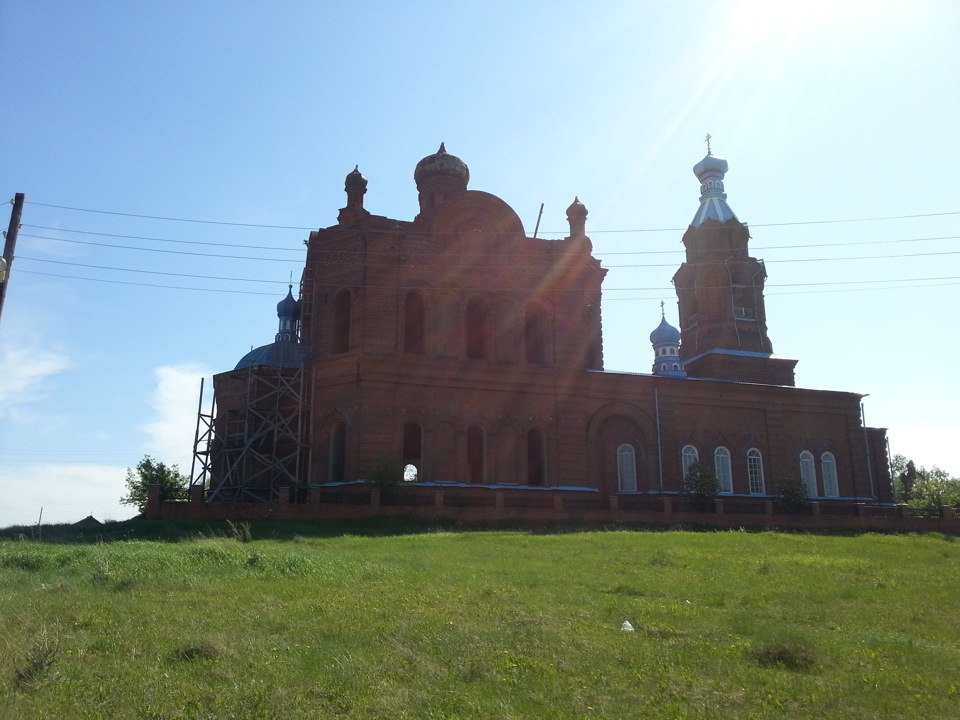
(253, 113)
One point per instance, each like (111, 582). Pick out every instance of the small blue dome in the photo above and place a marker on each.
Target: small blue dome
(711, 164)
(665, 334)
(284, 354)
(288, 306)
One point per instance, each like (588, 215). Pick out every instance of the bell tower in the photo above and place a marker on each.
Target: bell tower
(723, 319)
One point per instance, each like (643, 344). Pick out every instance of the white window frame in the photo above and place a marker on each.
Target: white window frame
(828, 467)
(626, 468)
(808, 473)
(755, 472)
(721, 463)
(689, 456)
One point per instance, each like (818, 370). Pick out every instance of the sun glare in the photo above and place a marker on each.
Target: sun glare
(773, 15)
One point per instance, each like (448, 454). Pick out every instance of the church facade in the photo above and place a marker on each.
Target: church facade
(458, 351)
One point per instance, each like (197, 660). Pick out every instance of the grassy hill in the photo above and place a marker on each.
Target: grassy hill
(345, 621)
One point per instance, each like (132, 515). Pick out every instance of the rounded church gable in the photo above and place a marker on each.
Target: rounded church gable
(480, 214)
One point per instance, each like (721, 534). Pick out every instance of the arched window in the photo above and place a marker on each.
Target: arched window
(478, 330)
(721, 461)
(535, 336)
(338, 453)
(341, 322)
(536, 458)
(627, 468)
(412, 447)
(808, 473)
(410, 473)
(476, 454)
(828, 465)
(414, 324)
(755, 471)
(689, 456)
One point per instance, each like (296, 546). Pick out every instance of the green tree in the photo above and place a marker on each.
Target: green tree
(700, 484)
(930, 490)
(934, 489)
(151, 472)
(792, 494)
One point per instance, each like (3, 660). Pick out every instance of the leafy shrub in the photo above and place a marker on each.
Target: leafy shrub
(792, 494)
(700, 485)
(386, 474)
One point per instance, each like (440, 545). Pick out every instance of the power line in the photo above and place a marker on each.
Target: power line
(548, 232)
(156, 239)
(770, 286)
(127, 282)
(159, 250)
(428, 266)
(407, 251)
(153, 272)
(171, 219)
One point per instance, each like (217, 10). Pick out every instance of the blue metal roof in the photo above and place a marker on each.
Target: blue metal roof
(279, 354)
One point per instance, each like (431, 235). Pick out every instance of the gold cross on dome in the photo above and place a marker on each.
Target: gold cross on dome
(709, 152)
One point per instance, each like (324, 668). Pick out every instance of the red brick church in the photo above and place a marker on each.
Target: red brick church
(462, 353)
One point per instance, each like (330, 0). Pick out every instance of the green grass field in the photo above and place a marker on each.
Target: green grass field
(320, 623)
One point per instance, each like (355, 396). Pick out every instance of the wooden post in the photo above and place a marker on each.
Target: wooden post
(11, 243)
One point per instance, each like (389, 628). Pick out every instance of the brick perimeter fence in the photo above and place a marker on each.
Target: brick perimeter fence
(486, 505)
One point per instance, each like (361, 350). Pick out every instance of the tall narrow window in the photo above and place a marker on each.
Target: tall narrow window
(721, 461)
(412, 449)
(535, 336)
(536, 458)
(414, 324)
(341, 322)
(755, 471)
(689, 456)
(475, 454)
(828, 463)
(338, 453)
(627, 468)
(808, 473)
(478, 331)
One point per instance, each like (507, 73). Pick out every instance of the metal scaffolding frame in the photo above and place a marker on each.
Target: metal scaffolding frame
(202, 443)
(260, 445)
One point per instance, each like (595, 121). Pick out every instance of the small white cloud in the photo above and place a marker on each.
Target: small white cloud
(64, 493)
(24, 372)
(175, 398)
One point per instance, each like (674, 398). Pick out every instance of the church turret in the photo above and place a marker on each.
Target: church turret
(355, 185)
(288, 312)
(439, 177)
(285, 350)
(665, 340)
(577, 217)
(723, 320)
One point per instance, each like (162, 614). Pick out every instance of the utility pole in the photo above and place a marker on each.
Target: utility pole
(10, 244)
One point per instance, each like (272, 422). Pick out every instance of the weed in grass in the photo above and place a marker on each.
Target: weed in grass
(240, 531)
(203, 650)
(101, 573)
(718, 599)
(790, 654)
(628, 591)
(33, 667)
(659, 559)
